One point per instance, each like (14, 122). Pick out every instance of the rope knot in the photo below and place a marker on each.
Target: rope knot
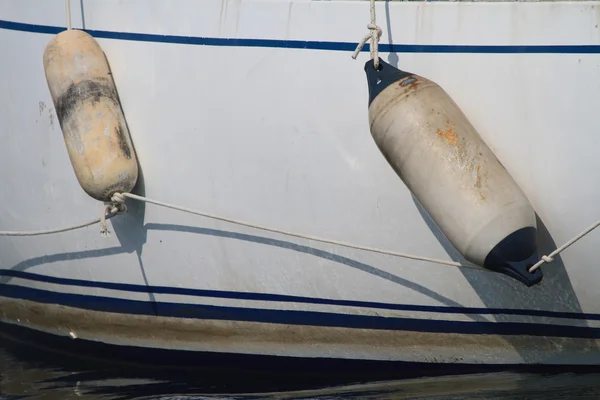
(116, 206)
(547, 259)
(374, 35)
(118, 201)
(373, 27)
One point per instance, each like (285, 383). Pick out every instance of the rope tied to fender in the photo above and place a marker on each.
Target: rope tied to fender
(550, 257)
(68, 14)
(374, 35)
(117, 206)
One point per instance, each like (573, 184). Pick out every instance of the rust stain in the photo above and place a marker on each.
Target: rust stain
(448, 135)
(478, 180)
(466, 158)
(478, 183)
(474, 165)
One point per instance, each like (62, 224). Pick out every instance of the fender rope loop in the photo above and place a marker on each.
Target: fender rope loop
(374, 34)
(117, 206)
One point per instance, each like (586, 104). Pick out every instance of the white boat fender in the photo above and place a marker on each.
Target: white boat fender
(453, 174)
(90, 115)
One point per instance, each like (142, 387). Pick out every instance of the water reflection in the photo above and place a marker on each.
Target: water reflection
(30, 372)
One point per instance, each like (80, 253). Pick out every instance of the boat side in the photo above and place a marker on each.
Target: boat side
(255, 110)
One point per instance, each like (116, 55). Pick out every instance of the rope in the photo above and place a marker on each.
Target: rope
(374, 34)
(68, 10)
(52, 231)
(120, 197)
(109, 211)
(112, 209)
(117, 206)
(549, 258)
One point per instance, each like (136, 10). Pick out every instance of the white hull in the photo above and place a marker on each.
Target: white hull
(256, 130)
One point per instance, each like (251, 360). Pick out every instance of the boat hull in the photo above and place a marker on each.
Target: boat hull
(268, 122)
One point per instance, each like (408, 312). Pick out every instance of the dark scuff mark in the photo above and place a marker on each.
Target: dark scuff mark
(51, 116)
(94, 88)
(123, 142)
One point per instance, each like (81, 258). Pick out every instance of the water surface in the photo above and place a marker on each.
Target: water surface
(29, 372)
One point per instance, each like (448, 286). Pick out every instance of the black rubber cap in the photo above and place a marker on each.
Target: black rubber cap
(514, 255)
(384, 76)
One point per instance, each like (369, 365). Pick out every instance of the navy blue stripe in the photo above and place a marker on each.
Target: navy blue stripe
(293, 317)
(292, 299)
(310, 44)
(191, 371)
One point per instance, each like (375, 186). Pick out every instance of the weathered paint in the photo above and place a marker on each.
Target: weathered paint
(280, 339)
(90, 115)
(453, 173)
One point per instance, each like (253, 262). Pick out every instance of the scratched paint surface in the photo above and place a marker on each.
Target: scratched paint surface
(469, 161)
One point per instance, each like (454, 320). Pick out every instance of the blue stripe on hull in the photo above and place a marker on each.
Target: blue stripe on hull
(293, 299)
(312, 45)
(293, 317)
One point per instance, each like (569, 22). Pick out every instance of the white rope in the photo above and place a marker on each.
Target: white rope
(117, 206)
(52, 231)
(109, 211)
(120, 198)
(374, 34)
(112, 209)
(549, 258)
(68, 10)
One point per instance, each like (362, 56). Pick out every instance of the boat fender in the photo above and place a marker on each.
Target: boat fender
(452, 173)
(90, 115)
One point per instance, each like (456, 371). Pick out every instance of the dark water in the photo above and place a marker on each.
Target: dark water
(27, 371)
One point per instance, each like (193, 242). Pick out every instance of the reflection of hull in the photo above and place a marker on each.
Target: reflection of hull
(264, 376)
(273, 128)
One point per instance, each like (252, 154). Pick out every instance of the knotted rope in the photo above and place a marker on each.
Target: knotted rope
(374, 34)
